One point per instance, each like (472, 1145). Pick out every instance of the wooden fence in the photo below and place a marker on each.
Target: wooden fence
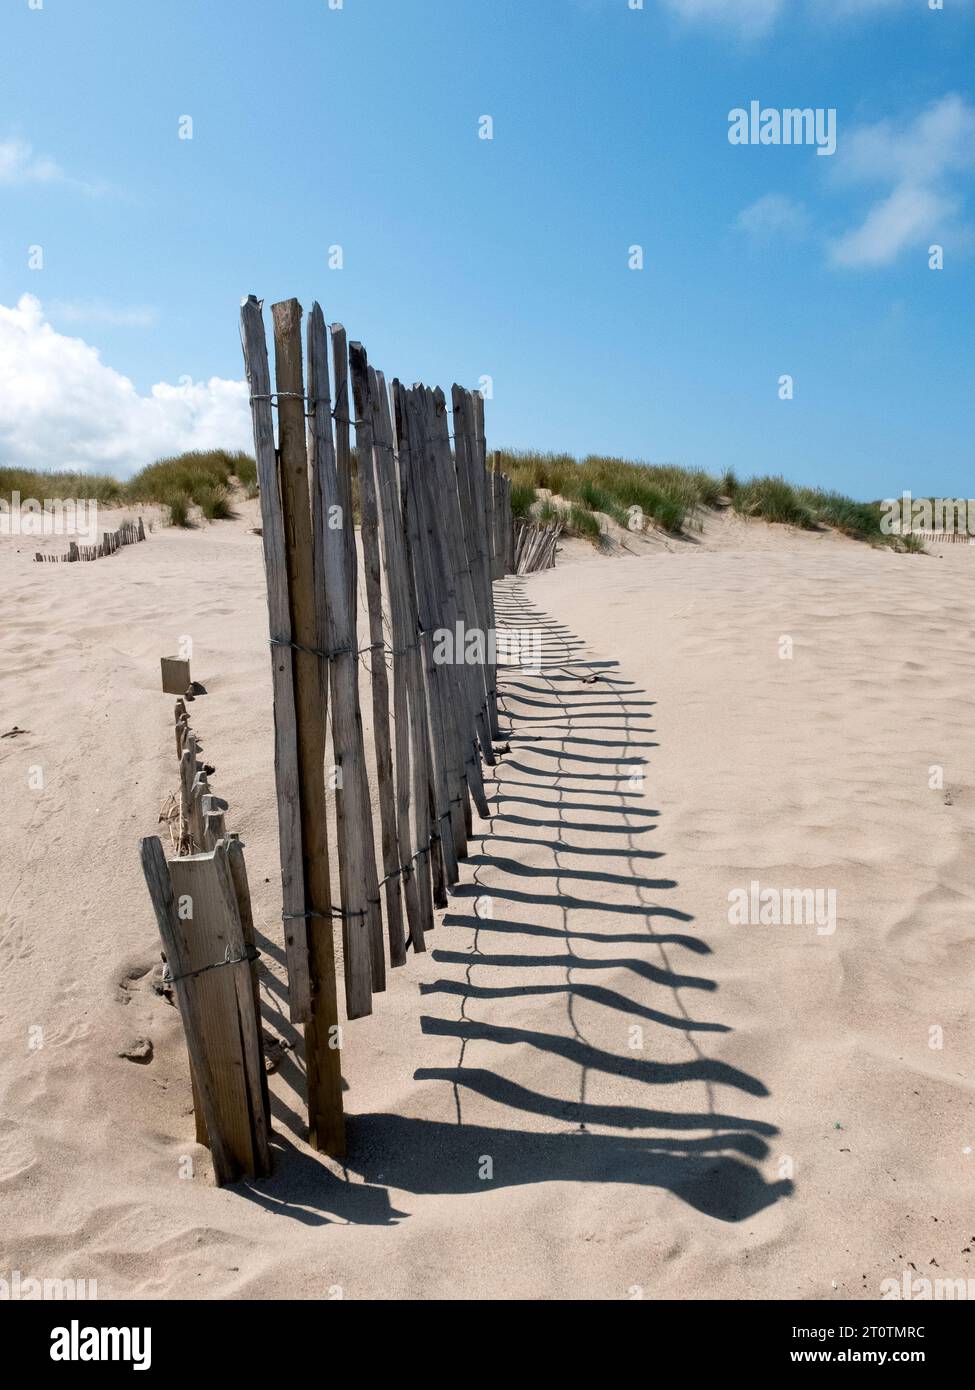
(129, 533)
(944, 537)
(203, 910)
(435, 532)
(535, 547)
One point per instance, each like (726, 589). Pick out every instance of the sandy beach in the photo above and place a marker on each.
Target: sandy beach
(593, 1084)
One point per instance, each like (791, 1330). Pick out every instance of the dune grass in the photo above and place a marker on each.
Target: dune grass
(636, 494)
(97, 487)
(179, 504)
(631, 493)
(202, 479)
(773, 499)
(620, 488)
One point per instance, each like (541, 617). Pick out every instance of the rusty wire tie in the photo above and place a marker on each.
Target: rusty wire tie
(322, 655)
(251, 953)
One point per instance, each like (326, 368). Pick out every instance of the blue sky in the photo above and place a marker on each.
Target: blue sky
(464, 257)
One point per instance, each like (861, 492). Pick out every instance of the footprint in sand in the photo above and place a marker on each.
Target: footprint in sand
(17, 1153)
(15, 944)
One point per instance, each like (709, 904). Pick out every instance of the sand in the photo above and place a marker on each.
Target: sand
(593, 1084)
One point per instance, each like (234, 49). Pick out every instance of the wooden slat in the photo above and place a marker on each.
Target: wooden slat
(443, 483)
(343, 454)
(322, 1066)
(362, 927)
(209, 929)
(282, 670)
(447, 768)
(479, 458)
(409, 699)
(171, 931)
(369, 508)
(238, 873)
(194, 920)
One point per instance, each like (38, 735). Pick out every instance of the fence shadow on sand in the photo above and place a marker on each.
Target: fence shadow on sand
(587, 927)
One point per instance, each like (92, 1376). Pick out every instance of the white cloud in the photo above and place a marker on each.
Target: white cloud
(912, 215)
(772, 215)
(19, 164)
(62, 407)
(937, 141)
(915, 160)
(751, 17)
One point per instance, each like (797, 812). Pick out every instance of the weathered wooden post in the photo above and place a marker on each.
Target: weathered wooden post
(334, 556)
(343, 452)
(446, 766)
(299, 732)
(409, 696)
(369, 507)
(210, 965)
(444, 490)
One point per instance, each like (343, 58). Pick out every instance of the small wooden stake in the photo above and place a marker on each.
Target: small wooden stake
(175, 675)
(198, 915)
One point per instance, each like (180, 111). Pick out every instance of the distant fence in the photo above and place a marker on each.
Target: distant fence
(129, 533)
(944, 537)
(534, 547)
(435, 532)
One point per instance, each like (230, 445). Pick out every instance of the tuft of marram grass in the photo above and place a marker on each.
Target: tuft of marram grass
(194, 474)
(579, 521)
(773, 499)
(178, 504)
(214, 503)
(522, 501)
(244, 469)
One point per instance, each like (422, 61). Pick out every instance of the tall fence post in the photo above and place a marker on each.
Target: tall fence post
(409, 696)
(334, 545)
(444, 495)
(379, 677)
(299, 730)
(446, 771)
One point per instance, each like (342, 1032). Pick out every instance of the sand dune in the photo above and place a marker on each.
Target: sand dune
(592, 1084)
